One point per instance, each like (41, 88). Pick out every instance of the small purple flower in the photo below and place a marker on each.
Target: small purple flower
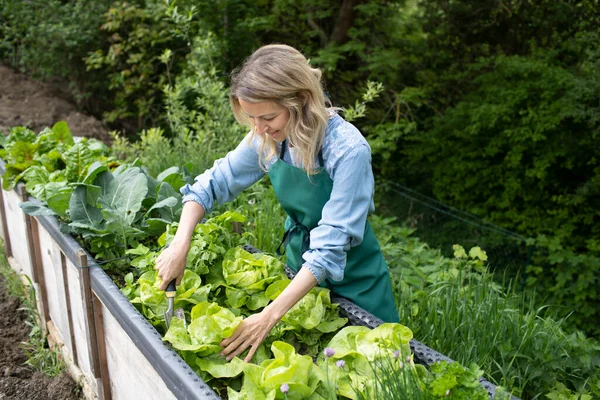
(284, 388)
(340, 363)
(408, 359)
(329, 352)
(396, 354)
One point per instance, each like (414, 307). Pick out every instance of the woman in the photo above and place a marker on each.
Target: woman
(320, 168)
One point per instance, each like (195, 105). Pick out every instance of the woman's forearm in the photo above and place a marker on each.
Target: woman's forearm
(302, 283)
(191, 214)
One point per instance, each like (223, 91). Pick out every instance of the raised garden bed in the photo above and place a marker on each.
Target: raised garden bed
(115, 351)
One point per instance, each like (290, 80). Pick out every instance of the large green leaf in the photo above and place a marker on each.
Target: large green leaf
(59, 202)
(103, 180)
(78, 158)
(172, 176)
(84, 215)
(125, 193)
(62, 133)
(30, 208)
(93, 171)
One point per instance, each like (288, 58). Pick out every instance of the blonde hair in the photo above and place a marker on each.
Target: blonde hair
(281, 74)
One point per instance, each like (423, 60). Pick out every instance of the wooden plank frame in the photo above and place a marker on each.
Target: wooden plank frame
(63, 262)
(29, 233)
(86, 295)
(104, 391)
(7, 248)
(41, 279)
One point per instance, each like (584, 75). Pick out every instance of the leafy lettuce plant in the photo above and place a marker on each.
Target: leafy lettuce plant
(246, 277)
(303, 378)
(358, 347)
(210, 241)
(198, 342)
(309, 319)
(152, 302)
(454, 381)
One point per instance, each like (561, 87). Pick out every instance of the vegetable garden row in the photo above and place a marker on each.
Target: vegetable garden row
(88, 237)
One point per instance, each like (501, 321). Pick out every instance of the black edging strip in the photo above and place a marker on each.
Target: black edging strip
(177, 375)
(358, 316)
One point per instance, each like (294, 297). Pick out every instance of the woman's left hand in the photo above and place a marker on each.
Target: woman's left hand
(250, 333)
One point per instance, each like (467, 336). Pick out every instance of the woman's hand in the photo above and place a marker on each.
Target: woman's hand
(254, 329)
(250, 333)
(171, 263)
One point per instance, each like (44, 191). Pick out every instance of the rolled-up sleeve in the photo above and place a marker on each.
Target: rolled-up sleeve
(229, 175)
(344, 216)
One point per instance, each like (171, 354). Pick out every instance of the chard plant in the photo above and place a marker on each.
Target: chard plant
(109, 207)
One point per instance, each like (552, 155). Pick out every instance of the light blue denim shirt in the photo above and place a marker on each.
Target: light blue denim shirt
(347, 159)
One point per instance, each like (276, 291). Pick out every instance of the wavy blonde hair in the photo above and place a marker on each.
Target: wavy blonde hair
(281, 74)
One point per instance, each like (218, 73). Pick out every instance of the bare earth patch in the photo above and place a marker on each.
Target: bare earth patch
(17, 380)
(25, 101)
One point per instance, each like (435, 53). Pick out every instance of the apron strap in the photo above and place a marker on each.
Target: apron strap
(284, 148)
(295, 228)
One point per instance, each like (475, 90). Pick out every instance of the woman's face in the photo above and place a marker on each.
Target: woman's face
(269, 118)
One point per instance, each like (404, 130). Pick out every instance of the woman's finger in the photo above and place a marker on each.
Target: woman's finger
(240, 349)
(252, 351)
(226, 352)
(225, 342)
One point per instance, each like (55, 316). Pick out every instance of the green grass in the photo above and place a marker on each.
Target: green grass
(454, 306)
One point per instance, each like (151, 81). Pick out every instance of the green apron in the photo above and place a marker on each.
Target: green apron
(366, 276)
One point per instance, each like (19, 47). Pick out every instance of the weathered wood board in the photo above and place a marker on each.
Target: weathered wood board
(79, 320)
(55, 286)
(131, 375)
(17, 230)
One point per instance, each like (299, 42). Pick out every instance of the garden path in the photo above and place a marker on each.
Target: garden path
(17, 380)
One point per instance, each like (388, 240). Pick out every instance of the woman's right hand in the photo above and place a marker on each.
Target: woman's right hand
(171, 263)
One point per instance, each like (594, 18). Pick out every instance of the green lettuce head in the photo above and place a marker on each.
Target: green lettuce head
(304, 380)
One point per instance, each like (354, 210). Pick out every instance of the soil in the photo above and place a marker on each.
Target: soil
(17, 380)
(28, 102)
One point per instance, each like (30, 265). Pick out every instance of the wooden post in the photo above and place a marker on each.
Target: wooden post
(38, 266)
(86, 295)
(63, 262)
(28, 233)
(104, 387)
(237, 227)
(7, 249)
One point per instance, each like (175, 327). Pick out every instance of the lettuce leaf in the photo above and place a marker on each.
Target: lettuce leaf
(305, 379)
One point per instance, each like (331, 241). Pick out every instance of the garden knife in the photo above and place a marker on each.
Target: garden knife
(170, 293)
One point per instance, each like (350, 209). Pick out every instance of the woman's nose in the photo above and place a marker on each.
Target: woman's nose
(260, 126)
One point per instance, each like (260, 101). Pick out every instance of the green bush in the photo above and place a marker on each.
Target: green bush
(50, 38)
(521, 149)
(198, 115)
(567, 280)
(138, 59)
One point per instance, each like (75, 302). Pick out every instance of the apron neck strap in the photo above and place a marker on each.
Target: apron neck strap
(284, 148)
